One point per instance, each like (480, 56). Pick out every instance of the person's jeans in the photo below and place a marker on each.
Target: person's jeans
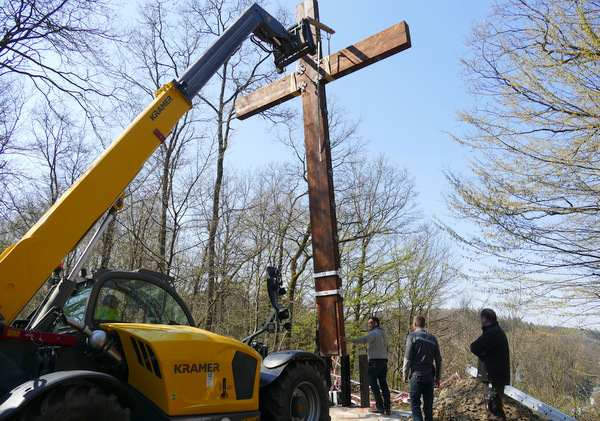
(377, 372)
(421, 386)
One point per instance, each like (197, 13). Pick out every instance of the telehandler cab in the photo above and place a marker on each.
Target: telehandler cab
(123, 345)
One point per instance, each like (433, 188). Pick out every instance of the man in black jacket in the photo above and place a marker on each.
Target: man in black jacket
(493, 367)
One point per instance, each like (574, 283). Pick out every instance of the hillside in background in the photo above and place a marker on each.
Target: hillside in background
(462, 399)
(558, 366)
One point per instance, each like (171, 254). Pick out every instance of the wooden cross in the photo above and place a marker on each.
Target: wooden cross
(310, 83)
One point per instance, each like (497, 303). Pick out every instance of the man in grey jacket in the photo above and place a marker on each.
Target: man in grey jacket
(377, 344)
(423, 365)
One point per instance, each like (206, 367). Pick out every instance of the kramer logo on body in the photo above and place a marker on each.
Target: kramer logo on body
(196, 368)
(160, 108)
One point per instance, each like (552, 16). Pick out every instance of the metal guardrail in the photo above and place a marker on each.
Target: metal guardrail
(529, 401)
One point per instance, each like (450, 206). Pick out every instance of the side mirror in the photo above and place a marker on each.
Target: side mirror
(274, 286)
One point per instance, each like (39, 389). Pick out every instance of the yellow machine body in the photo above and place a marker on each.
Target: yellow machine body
(186, 370)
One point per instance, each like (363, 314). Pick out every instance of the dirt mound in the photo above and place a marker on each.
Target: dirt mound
(462, 400)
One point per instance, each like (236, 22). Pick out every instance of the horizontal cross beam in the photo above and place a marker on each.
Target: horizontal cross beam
(370, 50)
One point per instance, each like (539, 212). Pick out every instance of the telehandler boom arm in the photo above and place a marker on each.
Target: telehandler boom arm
(25, 266)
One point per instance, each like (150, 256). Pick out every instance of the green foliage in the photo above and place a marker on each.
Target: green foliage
(533, 142)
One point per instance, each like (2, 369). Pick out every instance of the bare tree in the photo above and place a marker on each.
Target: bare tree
(160, 47)
(237, 75)
(58, 148)
(49, 53)
(376, 203)
(52, 43)
(11, 107)
(533, 191)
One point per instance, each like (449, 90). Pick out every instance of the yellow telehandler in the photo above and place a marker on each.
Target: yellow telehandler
(119, 345)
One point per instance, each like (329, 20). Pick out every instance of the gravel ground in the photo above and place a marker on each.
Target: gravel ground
(339, 413)
(458, 399)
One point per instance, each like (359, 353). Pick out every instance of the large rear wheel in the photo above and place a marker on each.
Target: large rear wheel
(298, 394)
(75, 403)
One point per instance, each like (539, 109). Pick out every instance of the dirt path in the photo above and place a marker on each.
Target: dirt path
(459, 399)
(339, 413)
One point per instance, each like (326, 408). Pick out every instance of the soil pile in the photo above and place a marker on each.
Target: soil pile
(462, 400)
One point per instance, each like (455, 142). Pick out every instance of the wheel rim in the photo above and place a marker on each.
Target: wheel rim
(305, 404)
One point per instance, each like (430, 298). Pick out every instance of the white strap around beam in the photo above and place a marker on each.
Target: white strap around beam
(329, 292)
(328, 273)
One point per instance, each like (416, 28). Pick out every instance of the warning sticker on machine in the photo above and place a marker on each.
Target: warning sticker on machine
(209, 379)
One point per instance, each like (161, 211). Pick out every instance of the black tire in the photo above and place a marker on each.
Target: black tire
(76, 403)
(298, 394)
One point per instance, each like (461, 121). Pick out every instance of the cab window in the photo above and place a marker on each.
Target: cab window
(137, 301)
(77, 303)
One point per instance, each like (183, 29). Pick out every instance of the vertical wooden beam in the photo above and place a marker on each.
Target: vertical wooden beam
(326, 255)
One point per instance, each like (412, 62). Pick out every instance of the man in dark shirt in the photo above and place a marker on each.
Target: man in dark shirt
(422, 351)
(493, 367)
